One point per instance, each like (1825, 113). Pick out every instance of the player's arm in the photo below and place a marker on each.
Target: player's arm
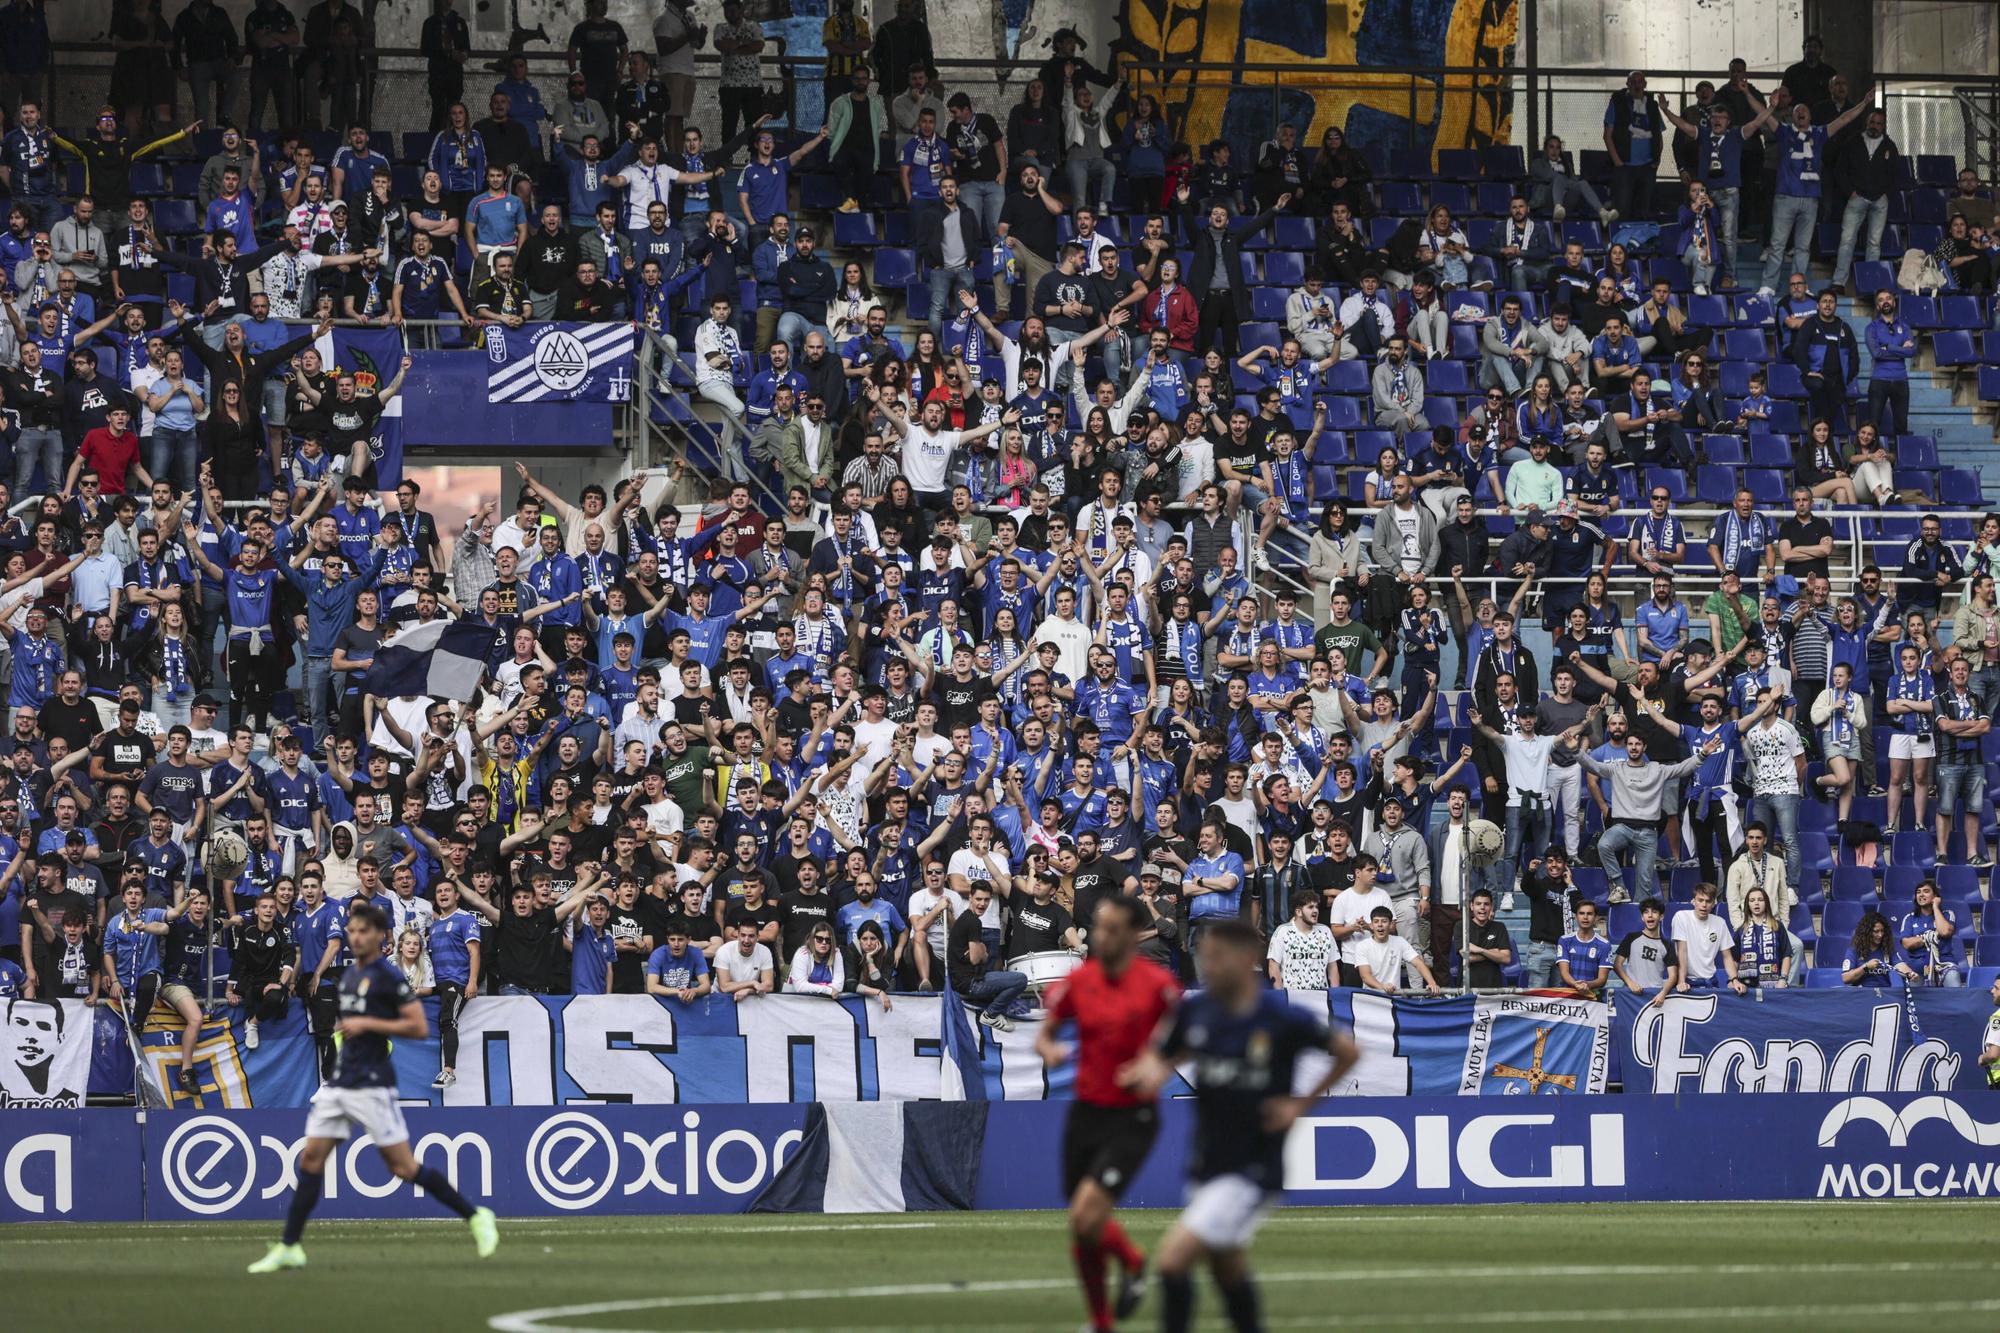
(1280, 1112)
(408, 1022)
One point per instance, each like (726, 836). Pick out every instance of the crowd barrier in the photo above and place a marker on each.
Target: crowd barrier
(122, 1166)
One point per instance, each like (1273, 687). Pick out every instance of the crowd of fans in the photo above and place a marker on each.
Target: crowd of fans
(1112, 600)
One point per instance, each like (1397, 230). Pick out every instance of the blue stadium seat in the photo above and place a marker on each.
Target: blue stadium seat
(1958, 481)
(1871, 276)
(1492, 198)
(1465, 342)
(895, 267)
(1412, 164)
(1332, 450)
(176, 217)
(1715, 484)
(1960, 312)
(1936, 169)
(1351, 377)
(1401, 199)
(1823, 978)
(1989, 384)
(1450, 377)
(1587, 234)
(1671, 480)
(1503, 164)
(1801, 923)
(1283, 268)
(1257, 333)
(1953, 347)
(1916, 451)
(1920, 312)
(1770, 451)
(1723, 449)
(1852, 884)
(1343, 414)
(1441, 412)
(855, 229)
(1369, 444)
(1815, 853)
(1746, 345)
(1458, 164)
(1913, 847)
(1267, 303)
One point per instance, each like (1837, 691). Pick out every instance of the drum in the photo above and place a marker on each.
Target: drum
(1044, 969)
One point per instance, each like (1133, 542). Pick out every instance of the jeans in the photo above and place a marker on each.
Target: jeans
(1085, 172)
(723, 395)
(218, 77)
(38, 444)
(318, 678)
(1779, 812)
(1537, 961)
(173, 455)
(1561, 190)
(173, 712)
(944, 282)
(995, 991)
(793, 328)
(276, 84)
(1792, 219)
(1528, 827)
(1700, 274)
(984, 199)
(1985, 687)
(1644, 844)
(1877, 213)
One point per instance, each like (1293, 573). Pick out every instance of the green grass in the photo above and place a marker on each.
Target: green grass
(1819, 1266)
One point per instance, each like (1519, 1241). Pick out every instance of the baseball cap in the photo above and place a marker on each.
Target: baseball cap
(1151, 871)
(206, 701)
(1661, 386)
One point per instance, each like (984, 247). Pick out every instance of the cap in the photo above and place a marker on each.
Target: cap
(1566, 509)
(1151, 871)
(338, 206)
(77, 835)
(206, 701)
(1661, 386)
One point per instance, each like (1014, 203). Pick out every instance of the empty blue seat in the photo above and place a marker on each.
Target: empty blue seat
(1953, 347)
(895, 266)
(1671, 480)
(175, 217)
(1586, 234)
(1714, 484)
(1920, 312)
(1456, 197)
(1852, 884)
(1352, 377)
(1411, 164)
(1493, 197)
(1332, 449)
(1871, 276)
(1290, 233)
(1283, 268)
(1823, 978)
(1936, 169)
(1257, 333)
(1770, 451)
(1916, 451)
(1726, 449)
(1344, 414)
(1913, 847)
(1465, 342)
(1745, 345)
(855, 229)
(1503, 163)
(1267, 303)
(1960, 312)
(1447, 377)
(1815, 853)
(1458, 164)
(1441, 412)
(1401, 198)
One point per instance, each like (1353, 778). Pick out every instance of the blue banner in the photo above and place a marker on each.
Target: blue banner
(554, 1051)
(559, 363)
(1803, 1041)
(114, 1166)
(373, 357)
(446, 408)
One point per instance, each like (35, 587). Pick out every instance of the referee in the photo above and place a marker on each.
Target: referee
(1117, 1001)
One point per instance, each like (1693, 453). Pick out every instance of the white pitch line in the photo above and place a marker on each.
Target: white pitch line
(508, 1231)
(537, 1321)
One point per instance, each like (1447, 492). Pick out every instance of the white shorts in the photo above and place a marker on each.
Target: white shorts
(1904, 745)
(335, 1112)
(1224, 1213)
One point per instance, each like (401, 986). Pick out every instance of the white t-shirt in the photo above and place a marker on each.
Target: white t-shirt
(939, 930)
(664, 818)
(1302, 956)
(876, 740)
(1352, 907)
(975, 869)
(1384, 958)
(1527, 765)
(927, 457)
(1772, 749)
(730, 962)
(1705, 942)
(671, 26)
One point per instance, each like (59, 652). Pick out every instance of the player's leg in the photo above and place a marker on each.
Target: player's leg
(1103, 1150)
(450, 997)
(1089, 1209)
(1239, 1290)
(326, 1125)
(1221, 1218)
(404, 1165)
(1175, 1259)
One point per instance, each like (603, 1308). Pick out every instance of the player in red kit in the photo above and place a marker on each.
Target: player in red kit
(1118, 1002)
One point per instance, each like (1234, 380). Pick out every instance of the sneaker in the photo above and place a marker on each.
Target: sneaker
(1727, 284)
(1507, 901)
(1979, 862)
(189, 1083)
(849, 206)
(1131, 1291)
(999, 1022)
(1259, 561)
(444, 1079)
(1618, 895)
(1607, 216)
(1766, 292)
(1701, 289)
(278, 1258)
(1560, 213)
(485, 1232)
(1878, 790)
(250, 1035)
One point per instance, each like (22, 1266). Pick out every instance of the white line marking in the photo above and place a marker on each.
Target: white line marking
(537, 1321)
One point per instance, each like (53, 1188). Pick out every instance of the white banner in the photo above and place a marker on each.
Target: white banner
(44, 1053)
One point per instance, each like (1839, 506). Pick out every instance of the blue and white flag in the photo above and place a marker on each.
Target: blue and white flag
(960, 1074)
(881, 1157)
(441, 658)
(374, 356)
(553, 363)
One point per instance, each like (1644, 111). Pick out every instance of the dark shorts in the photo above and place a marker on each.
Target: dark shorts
(1107, 1144)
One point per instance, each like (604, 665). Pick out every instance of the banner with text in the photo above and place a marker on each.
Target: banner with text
(111, 1165)
(1803, 1041)
(557, 1051)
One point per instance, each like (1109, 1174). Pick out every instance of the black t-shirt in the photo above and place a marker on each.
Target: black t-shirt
(798, 914)
(530, 953)
(75, 723)
(965, 931)
(1058, 289)
(1806, 532)
(974, 157)
(698, 926)
(1094, 881)
(1037, 928)
(737, 911)
(1245, 458)
(693, 710)
(1029, 221)
(125, 754)
(1483, 973)
(958, 701)
(359, 643)
(628, 970)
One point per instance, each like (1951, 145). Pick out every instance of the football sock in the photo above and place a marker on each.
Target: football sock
(1240, 1301)
(1119, 1246)
(1176, 1302)
(434, 1184)
(305, 1198)
(1089, 1258)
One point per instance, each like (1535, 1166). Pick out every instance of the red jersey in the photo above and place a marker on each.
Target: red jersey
(1115, 1022)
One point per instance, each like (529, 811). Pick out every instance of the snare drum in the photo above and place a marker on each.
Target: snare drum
(1044, 969)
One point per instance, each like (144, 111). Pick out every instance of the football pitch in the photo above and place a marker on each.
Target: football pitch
(1820, 1266)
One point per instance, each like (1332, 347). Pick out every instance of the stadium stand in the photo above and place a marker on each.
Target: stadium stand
(996, 531)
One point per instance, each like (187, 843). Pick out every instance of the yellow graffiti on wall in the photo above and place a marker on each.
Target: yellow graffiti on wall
(1190, 54)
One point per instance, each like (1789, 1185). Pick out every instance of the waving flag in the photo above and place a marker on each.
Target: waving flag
(442, 658)
(881, 1157)
(547, 363)
(374, 356)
